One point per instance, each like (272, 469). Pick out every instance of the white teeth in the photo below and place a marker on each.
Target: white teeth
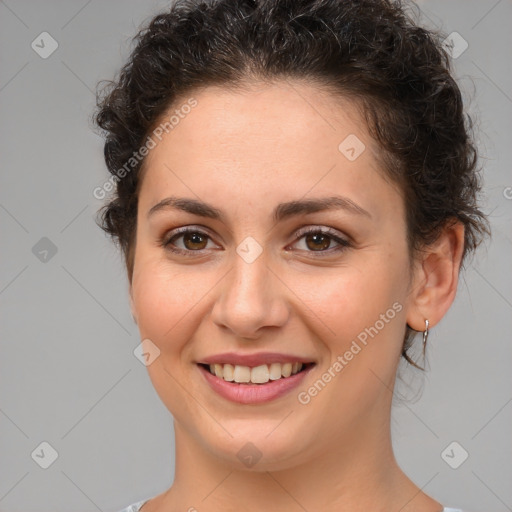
(229, 372)
(275, 371)
(255, 375)
(242, 374)
(260, 374)
(286, 369)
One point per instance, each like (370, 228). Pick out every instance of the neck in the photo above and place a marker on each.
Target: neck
(351, 473)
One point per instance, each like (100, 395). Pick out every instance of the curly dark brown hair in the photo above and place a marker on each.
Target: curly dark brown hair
(369, 51)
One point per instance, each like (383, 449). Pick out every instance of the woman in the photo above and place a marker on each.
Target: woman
(295, 195)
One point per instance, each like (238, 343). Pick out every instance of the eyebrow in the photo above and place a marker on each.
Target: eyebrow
(281, 211)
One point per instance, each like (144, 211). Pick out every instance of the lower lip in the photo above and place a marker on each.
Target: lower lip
(254, 393)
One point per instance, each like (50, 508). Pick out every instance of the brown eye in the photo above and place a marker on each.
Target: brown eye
(317, 241)
(193, 240)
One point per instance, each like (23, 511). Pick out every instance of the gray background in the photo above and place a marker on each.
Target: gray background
(68, 375)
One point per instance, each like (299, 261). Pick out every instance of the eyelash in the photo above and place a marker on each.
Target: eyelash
(167, 244)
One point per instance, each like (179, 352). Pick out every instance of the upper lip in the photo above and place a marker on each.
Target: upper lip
(253, 359)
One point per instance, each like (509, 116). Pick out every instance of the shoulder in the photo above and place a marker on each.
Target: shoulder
(134, 507)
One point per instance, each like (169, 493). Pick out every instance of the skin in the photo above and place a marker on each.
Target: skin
(244, 152)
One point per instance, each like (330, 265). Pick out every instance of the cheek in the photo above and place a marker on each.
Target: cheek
(162, 300)
(354, 297)
(363, 317)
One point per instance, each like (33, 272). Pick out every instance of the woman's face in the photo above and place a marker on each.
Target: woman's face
(245, 283)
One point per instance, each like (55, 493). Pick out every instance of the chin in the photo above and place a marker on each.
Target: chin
(260, 448)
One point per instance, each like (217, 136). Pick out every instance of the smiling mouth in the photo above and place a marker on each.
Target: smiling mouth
(261, 374)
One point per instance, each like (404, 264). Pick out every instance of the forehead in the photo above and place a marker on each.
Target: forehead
(262, 142)
(285, 115)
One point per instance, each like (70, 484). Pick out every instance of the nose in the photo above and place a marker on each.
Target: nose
(251, 298)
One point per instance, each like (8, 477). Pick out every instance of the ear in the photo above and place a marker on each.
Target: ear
(132, 305)
(436, 278)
